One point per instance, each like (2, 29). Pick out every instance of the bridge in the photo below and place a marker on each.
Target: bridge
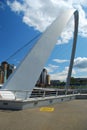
(18, 92)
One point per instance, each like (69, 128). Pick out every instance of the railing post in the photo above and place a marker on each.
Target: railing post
(44, 93)
(56, 93)
(15, 94)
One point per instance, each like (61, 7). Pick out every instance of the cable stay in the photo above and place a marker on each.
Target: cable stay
(21, 48)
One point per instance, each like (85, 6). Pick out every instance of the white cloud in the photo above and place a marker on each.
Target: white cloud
(60, 61)
(80, 67)
(80, 62)
(40, 13)
(51, 68)
(57, 74)
(16, 6)
(79, 70)
(62, 75)
(82, 21)
(67, 34)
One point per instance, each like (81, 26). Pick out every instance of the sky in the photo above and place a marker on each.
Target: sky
(22, 20)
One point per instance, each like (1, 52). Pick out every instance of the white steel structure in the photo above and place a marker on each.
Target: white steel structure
(25, 76)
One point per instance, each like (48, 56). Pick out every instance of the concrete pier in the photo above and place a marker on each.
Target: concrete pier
(70, 115)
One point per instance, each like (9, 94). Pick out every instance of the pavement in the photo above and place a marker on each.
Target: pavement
(70, 115)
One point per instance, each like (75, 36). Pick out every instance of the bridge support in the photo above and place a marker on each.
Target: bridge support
(26, 75)
(76, 17)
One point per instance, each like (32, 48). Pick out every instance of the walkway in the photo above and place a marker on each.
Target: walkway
(66, 116)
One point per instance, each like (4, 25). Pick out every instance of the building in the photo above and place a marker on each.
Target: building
(5, 71)
(55, 82)
(78, 81)
(44, 79)
(1, 76)
(48, 79)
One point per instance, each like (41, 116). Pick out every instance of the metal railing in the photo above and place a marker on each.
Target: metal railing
(38, 93)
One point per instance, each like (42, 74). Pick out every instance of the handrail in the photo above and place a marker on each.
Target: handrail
(24, 95)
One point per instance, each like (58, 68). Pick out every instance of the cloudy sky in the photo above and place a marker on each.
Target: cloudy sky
(22, 20)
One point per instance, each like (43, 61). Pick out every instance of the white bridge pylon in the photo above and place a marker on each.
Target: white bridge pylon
(25, 76)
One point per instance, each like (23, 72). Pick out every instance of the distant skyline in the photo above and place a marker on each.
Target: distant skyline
(22, 20)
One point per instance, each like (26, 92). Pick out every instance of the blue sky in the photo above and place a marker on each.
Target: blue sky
(22, 20)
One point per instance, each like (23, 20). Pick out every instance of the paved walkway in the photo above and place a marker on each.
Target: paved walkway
(66, 116)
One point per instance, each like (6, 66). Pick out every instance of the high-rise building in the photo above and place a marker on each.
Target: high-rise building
(44, 79)
(48, 79)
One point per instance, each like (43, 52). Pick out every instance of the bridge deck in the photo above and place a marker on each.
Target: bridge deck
(66, 116)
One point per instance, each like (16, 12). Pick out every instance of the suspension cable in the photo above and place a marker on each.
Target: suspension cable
(22, 47)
